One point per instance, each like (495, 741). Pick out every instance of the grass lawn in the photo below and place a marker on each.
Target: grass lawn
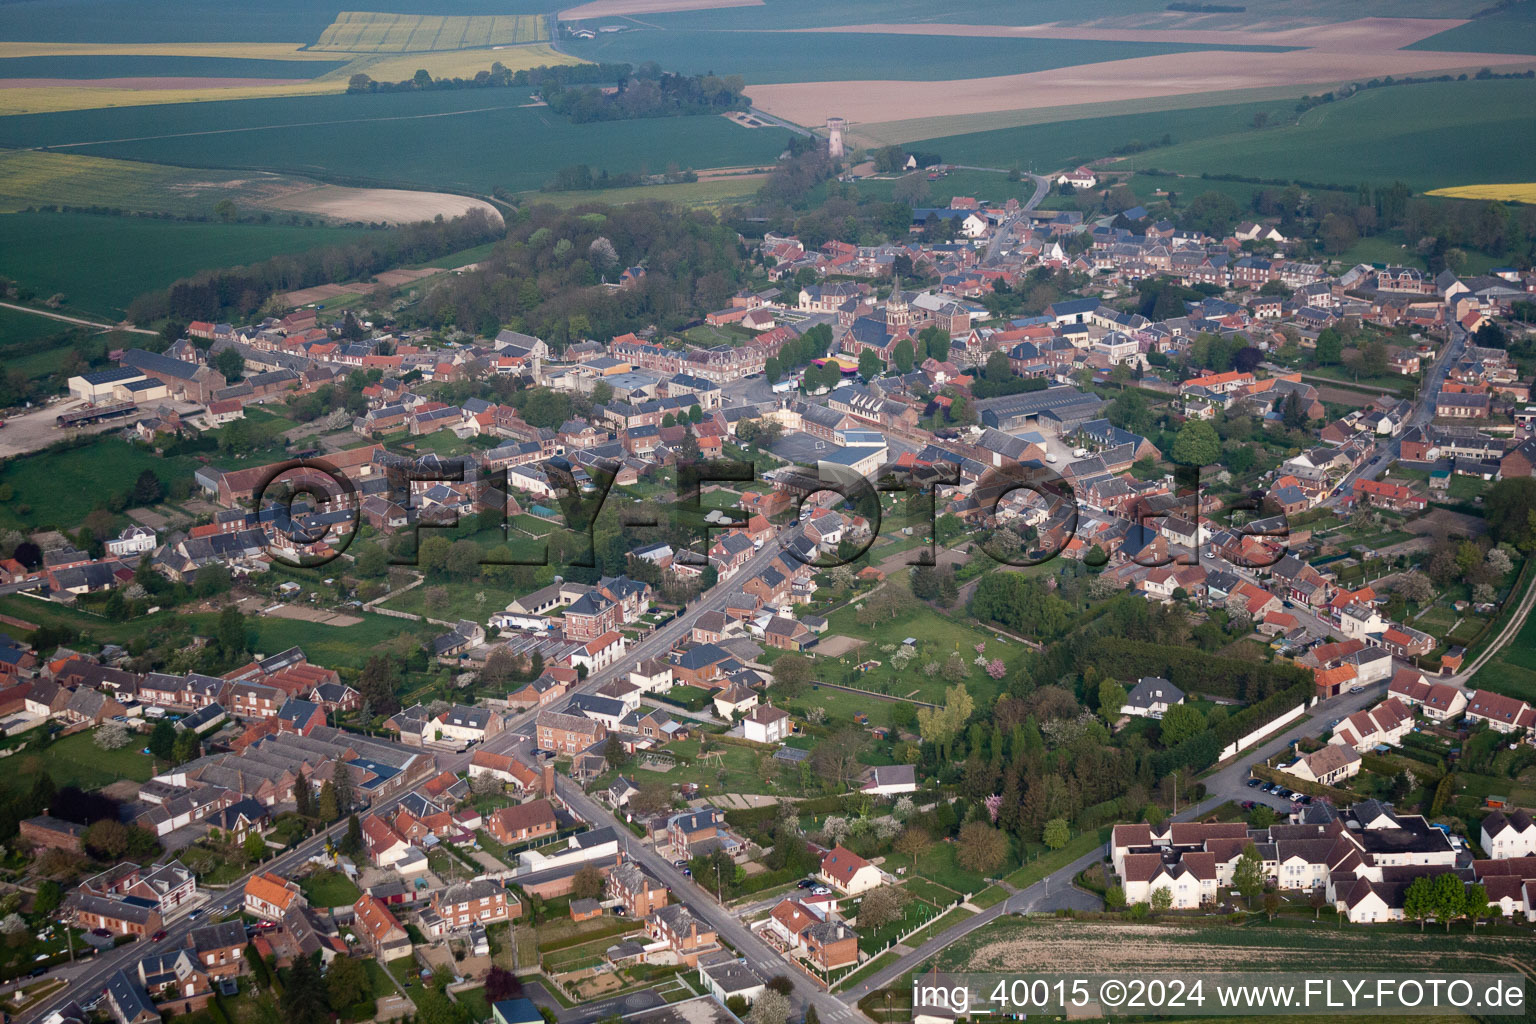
(738, 763)
(58, 488)
(931, 891)
(841, 706)
(378, 978)
(329, 889)
(77, 761)
(474, 1002)
(1041, 866)
(915, 914)
(335, 646)
(464, 600)
(874, 966)
(937, 636)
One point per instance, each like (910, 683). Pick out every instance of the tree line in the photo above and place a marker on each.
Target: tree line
(648, 92)
(241, 291)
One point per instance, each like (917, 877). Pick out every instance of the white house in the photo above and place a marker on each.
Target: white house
(849, 873)
(1080, 178)
(1383, 725)
(974, 226)
(1503, 714)
(1333, 763)
(1151, 697)
(135, 540)
(890, 780)
(653, 675)
(765, 724)
(1509, 834)
(1190, 879)
(600, 653)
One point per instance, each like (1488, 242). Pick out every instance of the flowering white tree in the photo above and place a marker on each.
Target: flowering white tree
(112, 736)
(836, 828)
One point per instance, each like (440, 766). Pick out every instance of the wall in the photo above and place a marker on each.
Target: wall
(1273, 725)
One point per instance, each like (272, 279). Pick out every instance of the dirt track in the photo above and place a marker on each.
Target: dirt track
(1112, 81)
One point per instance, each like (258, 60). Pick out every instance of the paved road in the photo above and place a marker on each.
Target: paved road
(1388, 451)
(727, 925)
(87, 977)
(1042, 186)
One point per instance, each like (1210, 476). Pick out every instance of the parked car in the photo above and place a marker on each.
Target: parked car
(1357, 689)
(157, 936)
(1252, 783)
(821, 890)
(1248, 805)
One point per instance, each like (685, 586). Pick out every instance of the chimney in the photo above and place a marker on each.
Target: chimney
(549, 779)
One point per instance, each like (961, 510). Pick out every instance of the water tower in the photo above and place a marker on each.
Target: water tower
(835, 126)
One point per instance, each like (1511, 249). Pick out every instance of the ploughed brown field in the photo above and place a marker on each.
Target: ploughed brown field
(1114, 81)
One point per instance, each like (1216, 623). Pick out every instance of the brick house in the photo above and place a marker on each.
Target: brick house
(684, 934)
(687, 831)
(639, 892)
(379, 930)
(484, 902)
(568, 734)
(522, 822)
(52, 833)
(219, 948)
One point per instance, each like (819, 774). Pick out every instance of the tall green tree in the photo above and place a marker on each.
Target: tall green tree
(328, 809)
(1248, 875)
(231, 632)
(1197, 444)
(162, 740)
(304, 997)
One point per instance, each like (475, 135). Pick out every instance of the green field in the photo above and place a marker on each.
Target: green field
(33, 344)
(1067, 143)
(1512, 30)
(60, 488)
(101, 263)
(990, 186)
(77, 761)
(375, 32)
(146, 66)
(1430, 135)
(710, 193)
(471, 140)
(30, 179)
(768, 57)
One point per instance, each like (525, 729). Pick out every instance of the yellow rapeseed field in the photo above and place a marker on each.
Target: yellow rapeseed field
(1517, 193)
(373, 32)
(391, 67)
